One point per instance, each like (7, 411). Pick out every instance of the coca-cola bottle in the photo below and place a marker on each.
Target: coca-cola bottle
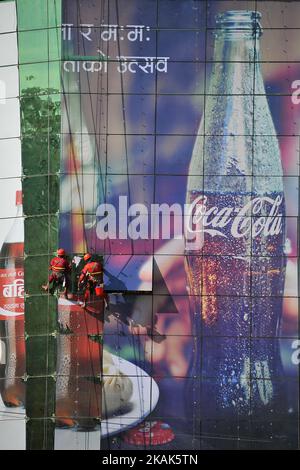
(12, 386)
(235, 238)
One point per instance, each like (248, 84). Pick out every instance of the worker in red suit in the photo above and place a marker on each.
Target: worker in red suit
(91, 278)
(60, 269)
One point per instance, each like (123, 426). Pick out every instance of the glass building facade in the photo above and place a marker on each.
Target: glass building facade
(100, 107)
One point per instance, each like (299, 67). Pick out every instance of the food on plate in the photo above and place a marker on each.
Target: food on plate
(117, 387)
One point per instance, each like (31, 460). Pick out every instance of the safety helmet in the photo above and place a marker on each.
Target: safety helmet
(61, 252)
(87, 256)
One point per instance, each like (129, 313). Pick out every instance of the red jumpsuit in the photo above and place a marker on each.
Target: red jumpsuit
(93, 274)
(58, 266)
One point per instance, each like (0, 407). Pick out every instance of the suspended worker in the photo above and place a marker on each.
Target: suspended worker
(91, 279)
(60, 269)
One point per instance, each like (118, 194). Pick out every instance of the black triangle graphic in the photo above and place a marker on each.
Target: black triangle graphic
(160, 288)
(162, 299)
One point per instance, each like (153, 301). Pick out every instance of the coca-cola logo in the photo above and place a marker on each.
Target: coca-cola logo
(14, 289)
(11, 293)
(259, 216)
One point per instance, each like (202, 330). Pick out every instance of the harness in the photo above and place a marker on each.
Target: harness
(57, 268)
(94, 275)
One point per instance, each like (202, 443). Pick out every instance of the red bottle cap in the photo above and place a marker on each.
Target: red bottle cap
(149, 433)
(19, 198)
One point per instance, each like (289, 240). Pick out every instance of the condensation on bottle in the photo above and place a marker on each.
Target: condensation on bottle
(12, 368)
(235, 259)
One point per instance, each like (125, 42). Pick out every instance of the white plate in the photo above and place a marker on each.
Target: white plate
(143, 401)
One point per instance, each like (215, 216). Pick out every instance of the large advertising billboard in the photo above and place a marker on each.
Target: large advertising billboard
(172, 137)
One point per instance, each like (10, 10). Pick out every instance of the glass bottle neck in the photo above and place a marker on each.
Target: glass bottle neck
(237, 48)
(16, 233)
(19, 210)
(236, 66)
(236, 53)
